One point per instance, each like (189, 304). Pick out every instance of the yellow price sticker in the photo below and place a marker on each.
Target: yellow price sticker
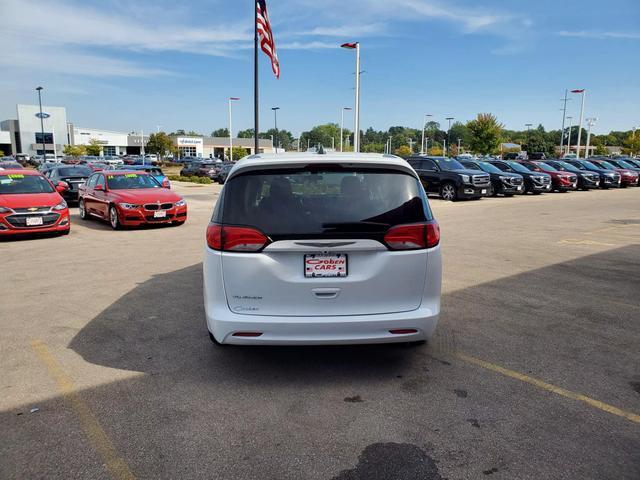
(130, 175)
(16, 176)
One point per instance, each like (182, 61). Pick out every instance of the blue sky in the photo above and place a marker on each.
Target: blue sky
(131, 65)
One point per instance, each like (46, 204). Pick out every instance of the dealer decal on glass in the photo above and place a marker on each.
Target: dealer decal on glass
(325, 265)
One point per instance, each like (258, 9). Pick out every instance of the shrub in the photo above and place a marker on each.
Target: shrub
(192, 179)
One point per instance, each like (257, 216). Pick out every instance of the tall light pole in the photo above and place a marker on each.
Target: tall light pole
(459, 145)
(528, 125)
(411, 142)
(356, 130)
(584, 93)
(232, 99)
(449, 132)
(564, 116)
(569, 137)
(590, 123)
(275, 122)
(424, 126)
(342, 124)
(44, 148)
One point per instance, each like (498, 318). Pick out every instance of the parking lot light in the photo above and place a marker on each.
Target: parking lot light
(231, 129)
(356, 130)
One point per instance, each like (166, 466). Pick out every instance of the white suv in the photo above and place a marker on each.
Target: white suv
(308, 248)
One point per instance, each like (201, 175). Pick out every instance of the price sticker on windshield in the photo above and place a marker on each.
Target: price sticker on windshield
(16, 176)
(130, 175)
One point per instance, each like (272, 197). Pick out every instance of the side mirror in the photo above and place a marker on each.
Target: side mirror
(99, 188)
(62, 187)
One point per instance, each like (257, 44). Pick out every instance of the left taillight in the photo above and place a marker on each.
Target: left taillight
(414, 236)
(235, 239)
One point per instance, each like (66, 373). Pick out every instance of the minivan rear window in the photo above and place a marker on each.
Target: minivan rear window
(329, 202)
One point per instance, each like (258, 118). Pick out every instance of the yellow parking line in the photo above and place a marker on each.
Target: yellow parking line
(551, 388)
(92, 429)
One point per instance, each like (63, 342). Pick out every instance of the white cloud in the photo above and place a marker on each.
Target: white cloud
(315, 45)
(600, 35)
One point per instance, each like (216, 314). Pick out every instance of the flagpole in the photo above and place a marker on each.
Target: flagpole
(256, 130)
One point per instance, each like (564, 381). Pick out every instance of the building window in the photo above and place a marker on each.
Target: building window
(48, 137)
(109, 150)
(187, 151)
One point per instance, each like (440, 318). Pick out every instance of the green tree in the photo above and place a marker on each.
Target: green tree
(94, 148)
(632, 144)
(322, 135)
(403, 151)
(74, 150)
(239, 152)
(220, 132)
(485, 133)
(373, 148)
(248, 133)
(160, 144)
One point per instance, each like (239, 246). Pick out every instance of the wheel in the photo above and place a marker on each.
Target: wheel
(82, 210)
(448, 192)
(114, 221)
(215, 342)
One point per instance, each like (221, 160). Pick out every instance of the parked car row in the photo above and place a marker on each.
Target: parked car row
(36, 202)
(215, 170)
(470, 178)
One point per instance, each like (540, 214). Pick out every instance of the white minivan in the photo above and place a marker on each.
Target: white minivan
(313, 248)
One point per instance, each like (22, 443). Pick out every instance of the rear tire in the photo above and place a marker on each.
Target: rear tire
(82, 210)
(448, 192)
(114, 220)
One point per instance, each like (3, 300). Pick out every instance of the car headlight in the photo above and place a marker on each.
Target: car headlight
(5, 210)
(465, 178)
(181, 203)
(61, 206)
(129, 206)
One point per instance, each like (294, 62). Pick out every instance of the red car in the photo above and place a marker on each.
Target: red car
(561, 181)
(628, 178)
(130, 198)
(30, 203)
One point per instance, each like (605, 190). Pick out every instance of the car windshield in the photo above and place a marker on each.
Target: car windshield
(14, 183)
(488, 167)
(131, 181)
(305, 203)
(74, 172)
(607, 165)
(566, 167)
(448, 164)
(545, 166)
(591, 166)
(624, 164)
(518, 167)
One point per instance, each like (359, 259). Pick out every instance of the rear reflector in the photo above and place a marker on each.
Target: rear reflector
(413, 237)
(247, 334)
(403, 331)
(235, 239)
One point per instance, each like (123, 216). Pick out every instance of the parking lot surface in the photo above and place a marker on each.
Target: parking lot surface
(107, 370)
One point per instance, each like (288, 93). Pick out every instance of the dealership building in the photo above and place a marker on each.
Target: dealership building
(24, 135)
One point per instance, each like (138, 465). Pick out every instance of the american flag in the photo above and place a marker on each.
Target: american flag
(267, 43)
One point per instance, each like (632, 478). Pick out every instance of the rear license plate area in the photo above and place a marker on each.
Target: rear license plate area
(325, 265)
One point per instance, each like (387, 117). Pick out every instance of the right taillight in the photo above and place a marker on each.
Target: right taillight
(413, 237)
(235, 239)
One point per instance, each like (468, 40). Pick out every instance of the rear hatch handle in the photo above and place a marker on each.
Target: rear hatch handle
(325, 293)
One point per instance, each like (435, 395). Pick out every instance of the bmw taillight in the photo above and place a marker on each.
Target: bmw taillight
(235, 239)
(414, 236)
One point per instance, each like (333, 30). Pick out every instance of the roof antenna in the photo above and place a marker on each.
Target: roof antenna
(320, 149)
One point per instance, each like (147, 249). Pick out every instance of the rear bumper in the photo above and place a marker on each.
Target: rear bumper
(352, 329)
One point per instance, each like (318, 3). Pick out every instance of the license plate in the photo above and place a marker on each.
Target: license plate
(33, 221)
(325, 265)
(160, 214)
(483, 191)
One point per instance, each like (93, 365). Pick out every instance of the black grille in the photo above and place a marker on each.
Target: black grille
(480, 180)
(155, 206)
(20, 221)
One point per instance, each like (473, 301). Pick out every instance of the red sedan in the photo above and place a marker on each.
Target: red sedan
(30, 203)
(130, 198)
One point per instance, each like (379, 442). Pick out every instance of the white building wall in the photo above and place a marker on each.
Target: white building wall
(83, 136)
(29, 124)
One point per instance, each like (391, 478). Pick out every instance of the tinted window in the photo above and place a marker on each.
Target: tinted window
(92, 181)
(14, 183)
(74, 172)
(487, 167)
(428, 165)
(518, 167)
(302, 203)
(132, 181)
(100, 181)
(449, 164)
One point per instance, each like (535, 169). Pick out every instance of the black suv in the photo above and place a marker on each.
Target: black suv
(203, 168)
(73, 175)
(534, 182)
(508, 184)
(450, 179)
(608, 178)
(586, 179)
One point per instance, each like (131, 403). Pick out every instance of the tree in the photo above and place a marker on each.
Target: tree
(160, 144)
(632, 144)
(94, 148)
(248, 133)
(322, 135)
(74, 150)
(485, 132)
(239, 152)
(403, 151)
(220, 132)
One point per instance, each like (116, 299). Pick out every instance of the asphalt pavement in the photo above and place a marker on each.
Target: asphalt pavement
(106, 369)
